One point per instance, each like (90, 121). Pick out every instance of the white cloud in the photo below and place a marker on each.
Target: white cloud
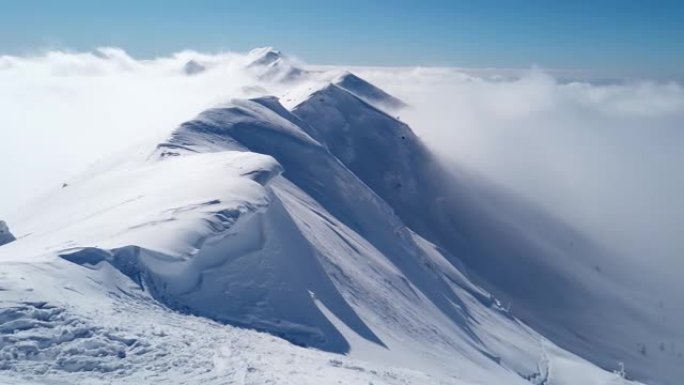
(608, 158)
(62, 111)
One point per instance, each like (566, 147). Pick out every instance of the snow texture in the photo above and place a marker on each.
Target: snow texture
(313, 245)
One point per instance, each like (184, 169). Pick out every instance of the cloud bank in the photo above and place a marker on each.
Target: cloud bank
(605, 156)
(62, 111)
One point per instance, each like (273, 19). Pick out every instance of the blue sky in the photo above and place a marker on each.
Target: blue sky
(616, 38)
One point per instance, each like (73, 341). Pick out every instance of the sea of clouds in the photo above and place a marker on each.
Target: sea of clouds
(605, 156)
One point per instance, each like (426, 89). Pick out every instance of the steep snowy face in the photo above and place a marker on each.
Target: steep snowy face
(357, 168)
(378, 148)
(554, 277)
(263, 126)
(5, 235)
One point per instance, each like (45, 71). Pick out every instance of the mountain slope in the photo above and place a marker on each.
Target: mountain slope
(315, 225)
(556, 279)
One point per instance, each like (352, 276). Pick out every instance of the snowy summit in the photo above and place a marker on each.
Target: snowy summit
(306, 236)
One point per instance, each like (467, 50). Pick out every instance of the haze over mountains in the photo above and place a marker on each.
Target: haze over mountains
(299, 226)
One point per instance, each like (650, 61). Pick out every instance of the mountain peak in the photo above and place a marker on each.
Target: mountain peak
(270, 64)
(342, 104)
(367, 91)
(5, 235)
(264, 56)
(192, 67)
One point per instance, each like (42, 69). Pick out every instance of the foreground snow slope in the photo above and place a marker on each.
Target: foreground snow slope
(318, 226)
(95, 326)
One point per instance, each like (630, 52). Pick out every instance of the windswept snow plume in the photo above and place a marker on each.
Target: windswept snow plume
(262, 220)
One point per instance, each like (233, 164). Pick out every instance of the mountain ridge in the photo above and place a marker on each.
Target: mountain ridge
(327, 225)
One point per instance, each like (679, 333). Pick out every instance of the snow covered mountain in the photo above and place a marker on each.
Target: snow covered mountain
(313, 241)
(5, 235)
(558, 279)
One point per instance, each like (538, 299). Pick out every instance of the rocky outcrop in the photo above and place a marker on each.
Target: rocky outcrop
(5, 235)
